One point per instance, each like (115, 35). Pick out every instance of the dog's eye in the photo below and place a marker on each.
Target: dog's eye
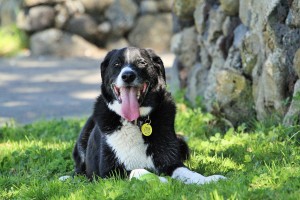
(142, 62)
(117, 64)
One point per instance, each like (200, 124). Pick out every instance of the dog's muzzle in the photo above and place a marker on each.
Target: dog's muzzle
(130, 97)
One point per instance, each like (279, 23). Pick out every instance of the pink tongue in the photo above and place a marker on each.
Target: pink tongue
(130, 105)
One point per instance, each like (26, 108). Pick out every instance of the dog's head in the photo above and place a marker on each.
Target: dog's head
(132, 80)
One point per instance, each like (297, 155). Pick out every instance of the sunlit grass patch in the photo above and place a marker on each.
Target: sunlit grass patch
(12, 40)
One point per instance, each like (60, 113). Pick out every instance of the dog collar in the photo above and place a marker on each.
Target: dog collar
(145, 125)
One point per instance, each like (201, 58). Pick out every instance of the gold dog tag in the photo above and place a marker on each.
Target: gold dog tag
(146, 129)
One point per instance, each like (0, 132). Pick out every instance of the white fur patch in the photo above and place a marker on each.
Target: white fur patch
(64, 178)
(127, 55)
(189, 177)
(130, 148)
(144, 111)
(116, 107)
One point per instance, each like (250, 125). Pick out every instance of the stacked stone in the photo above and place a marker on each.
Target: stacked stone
(80, 27)
(241, 56)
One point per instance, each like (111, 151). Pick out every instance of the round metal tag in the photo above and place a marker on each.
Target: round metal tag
(146, 129)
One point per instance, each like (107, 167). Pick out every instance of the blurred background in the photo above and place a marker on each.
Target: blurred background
(238, 59)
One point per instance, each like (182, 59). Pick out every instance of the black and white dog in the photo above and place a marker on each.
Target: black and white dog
(114, 140)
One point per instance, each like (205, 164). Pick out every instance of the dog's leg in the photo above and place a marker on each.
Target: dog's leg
(81, 146)
(184, 149)
(189, 177)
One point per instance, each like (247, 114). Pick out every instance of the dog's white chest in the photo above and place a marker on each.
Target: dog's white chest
(129, 146)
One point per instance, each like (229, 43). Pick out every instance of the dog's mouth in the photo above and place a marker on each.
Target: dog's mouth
(130, 98)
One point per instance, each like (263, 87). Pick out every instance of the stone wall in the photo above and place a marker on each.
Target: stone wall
(241, 56)
(80, 27)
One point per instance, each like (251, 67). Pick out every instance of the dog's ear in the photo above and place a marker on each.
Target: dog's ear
(158, 63)
(106, 61)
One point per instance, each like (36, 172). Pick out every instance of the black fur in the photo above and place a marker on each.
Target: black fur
(92, 154)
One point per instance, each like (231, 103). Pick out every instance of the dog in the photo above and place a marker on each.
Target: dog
(131, 129)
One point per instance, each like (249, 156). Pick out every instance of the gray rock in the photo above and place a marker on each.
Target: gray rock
(184, 9)
(176, 43)
(296, 64)
(103, 35)
(74, 7)
(200, 16)
(8, 14)
(149, 7)
(197, 83)
(251, 53)
(31, 3)
(62, 15)
(105, 27)
(154, 6)
(239, 35)
(229, 25)
(59, 43)
(174, 83)
(254, 14)
(38, 18)
(226, 27)
(292, 117)
(216, 19)
(184, 45)
(233, 60)
(230, 7)
(83, 25)
(233, 97)
(205, 57)
(165, 5)
(121, 15)
(96, 7)
(156, 36)
(217, 64)
(293, 18)
(116, 43)
(270, 90)
(291, 43)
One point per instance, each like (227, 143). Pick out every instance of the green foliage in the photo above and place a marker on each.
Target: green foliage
(261, 162)
(12, 40)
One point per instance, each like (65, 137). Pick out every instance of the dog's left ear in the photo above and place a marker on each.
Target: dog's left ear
(158, 63)
(105, 62)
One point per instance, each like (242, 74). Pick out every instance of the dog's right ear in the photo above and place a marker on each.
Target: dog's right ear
(158, 63)
(106, 61)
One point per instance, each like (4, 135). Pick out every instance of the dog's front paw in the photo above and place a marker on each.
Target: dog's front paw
(64, 178)
(214, 178)
(199, 179)
(189, 177)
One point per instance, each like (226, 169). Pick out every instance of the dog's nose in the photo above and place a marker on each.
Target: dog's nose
(128, 76)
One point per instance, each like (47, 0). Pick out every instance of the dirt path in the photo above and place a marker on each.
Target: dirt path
(43, 88)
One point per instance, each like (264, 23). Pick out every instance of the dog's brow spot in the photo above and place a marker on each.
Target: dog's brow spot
(131, 54)
(127, 55)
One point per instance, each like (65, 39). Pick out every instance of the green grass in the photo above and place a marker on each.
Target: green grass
(12, 40)
(260, 162)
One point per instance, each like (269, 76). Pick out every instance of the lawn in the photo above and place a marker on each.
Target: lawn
(12, 40)
(261, 161)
